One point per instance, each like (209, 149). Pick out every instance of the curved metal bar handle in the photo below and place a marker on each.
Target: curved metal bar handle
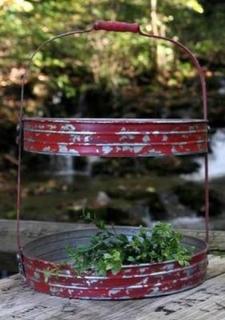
(115, 26)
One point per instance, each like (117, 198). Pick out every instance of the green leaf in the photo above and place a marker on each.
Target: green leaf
(109, 251)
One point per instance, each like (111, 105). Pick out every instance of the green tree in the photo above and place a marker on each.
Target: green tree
(72, 65)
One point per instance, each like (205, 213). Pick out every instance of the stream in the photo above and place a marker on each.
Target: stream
(216, 167)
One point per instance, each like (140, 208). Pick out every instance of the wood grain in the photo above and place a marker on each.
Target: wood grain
(32, 229)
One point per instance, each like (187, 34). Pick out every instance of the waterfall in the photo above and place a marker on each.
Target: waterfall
(62, 166)
(65, 166)
(216, 159)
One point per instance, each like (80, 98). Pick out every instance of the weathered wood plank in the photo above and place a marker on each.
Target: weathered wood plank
(32, 229)
(204, 302)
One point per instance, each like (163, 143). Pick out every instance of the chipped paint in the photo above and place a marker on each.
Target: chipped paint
(115, 137)
(74, 152)
(146, 138)
(46, 149)
(63, 149)
(68, 127)
(127, 148)
(76, 138)
(123, 130)
(86, 138)
(127, 137)
(138, 149)
(113, 292)
(37, 275)
(174, 150)
(106, 149)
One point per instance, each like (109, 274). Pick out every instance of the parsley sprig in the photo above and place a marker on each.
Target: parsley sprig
(109, 251)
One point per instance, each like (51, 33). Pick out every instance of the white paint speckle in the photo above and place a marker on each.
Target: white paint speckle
(165, 138)
(146, 138)
(127, 137)
(127, 148)
(63, 149)
(174, 150)
(143, 270)
(155, 289)
(52, 126)
(106, 149)
(138, 149)
(86, 138)
(76, 138)
(74, 152)
(68, 127)
(36, 275)
(154, 152)
(113, 292)
(145, 280)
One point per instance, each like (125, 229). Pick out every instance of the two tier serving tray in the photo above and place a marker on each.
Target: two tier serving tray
(111, 138)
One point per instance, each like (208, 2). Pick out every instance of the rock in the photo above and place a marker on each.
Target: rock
(102, 199)
(121, 216)
(191, 195)
(118, 167)
(170, 165)
(161, 166)
(129, 194)
(144, 200)
(156, 207)
(75, 210)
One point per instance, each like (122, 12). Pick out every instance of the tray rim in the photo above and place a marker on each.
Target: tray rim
(118, 120)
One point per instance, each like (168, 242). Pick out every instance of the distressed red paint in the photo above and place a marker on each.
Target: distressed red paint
(115, 137)
(133, 281)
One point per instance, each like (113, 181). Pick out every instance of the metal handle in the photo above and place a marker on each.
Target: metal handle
(115, 26)
(119, 26)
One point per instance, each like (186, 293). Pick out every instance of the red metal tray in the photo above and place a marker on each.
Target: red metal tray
(133, 281)
(115, 137)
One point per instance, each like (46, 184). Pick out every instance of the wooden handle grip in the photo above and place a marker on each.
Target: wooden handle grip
(117, 26)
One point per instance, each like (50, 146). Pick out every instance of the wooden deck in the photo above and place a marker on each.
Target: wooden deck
(206, 302)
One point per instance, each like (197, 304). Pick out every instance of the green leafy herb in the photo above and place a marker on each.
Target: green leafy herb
(109, 251)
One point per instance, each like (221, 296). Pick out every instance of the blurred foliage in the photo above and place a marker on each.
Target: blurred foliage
(70, 65)
(70, 76)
